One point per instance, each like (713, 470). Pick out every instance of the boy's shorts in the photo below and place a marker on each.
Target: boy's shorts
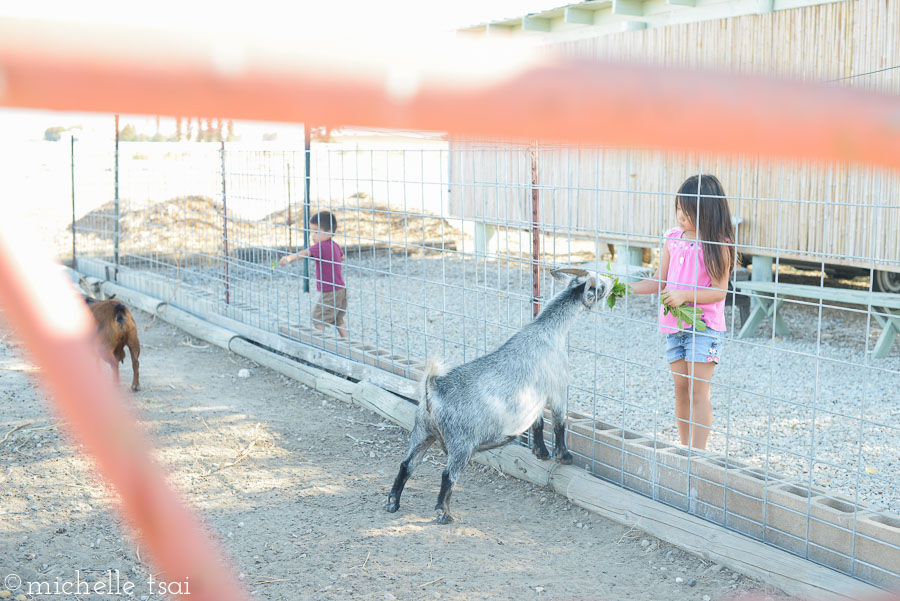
(331, 307)
(695, 347)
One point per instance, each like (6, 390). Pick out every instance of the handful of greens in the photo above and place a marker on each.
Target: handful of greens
(686, 314)
(619, 290)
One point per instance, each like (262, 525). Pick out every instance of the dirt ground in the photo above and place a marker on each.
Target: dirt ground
(302, 517)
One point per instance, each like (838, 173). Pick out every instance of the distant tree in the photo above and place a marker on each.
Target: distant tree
(53, 134)
(321, 134)
(230, 130)
(219, 126)
(209, 133)
(177, 129)
(128, 134)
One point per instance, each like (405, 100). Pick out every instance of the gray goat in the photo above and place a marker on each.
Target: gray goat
(490, 401)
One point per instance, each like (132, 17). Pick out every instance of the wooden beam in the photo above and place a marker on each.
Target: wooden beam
(493, 29)
(578, 16)
(691, 3)
(629, 8)
(634, 25)
(535, 24)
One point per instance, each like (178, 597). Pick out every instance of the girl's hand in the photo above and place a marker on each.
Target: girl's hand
(285, 260)
(675, 298)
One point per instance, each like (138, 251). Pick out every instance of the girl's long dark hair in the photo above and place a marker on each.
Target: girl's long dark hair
(705, 194)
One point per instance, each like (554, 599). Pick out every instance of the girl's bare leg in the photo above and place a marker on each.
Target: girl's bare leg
(682, 398)
(693, 408)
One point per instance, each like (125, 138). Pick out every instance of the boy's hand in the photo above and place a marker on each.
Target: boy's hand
(675, 298)
(285, 260)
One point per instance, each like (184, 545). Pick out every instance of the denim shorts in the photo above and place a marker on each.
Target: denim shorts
(695, 347)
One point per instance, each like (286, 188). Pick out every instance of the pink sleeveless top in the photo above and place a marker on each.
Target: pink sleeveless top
(687, 272)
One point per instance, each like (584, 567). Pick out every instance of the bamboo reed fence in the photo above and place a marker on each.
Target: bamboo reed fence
(795, 210)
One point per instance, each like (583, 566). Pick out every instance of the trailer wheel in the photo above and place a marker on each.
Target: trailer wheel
(887, 281)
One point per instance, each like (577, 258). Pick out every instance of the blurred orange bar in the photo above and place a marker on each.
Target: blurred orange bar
(53, 322)
(494, 88)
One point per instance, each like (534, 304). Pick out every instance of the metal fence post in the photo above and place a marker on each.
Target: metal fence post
(225, 223)
(289, 220)
(306, 143)
(72, 173)
(535, 235)
(116, 202)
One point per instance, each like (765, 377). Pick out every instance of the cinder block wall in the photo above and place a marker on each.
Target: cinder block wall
(826, 528)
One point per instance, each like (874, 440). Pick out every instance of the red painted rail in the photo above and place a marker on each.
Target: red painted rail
(468, 87)
(53, 322)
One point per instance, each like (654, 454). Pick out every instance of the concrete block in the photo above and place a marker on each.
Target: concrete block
(728, 492)
(610, 454)
(878, 549)
(607, 454)
(831, 532)
(671, 484)
(604, 447)
(581, 443)
(640, 464)
(786, 522)
(707, 490)
(745, 501)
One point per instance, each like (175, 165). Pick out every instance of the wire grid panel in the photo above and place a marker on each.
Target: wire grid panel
(440, 260)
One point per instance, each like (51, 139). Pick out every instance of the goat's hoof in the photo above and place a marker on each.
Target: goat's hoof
(541, 453)
(566, 458)
(392, 505)
(444, 518)
(135, 388)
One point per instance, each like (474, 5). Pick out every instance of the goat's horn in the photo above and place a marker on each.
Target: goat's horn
(576, 271)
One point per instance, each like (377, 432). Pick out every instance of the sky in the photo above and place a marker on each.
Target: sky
(342, 17)
(276, 17)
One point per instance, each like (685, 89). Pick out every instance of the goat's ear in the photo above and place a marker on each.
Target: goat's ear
(590, 290)
(567, 274)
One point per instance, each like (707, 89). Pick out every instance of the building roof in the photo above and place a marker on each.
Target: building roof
(599, 17)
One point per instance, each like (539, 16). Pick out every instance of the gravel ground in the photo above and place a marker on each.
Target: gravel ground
(811, 407)
(302, 515)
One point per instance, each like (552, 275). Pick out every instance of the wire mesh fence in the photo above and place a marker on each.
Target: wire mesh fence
(446, 251)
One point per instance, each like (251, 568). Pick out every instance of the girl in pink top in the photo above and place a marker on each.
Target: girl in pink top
(694, 266)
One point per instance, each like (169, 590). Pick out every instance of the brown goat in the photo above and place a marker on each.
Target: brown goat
(116, 330)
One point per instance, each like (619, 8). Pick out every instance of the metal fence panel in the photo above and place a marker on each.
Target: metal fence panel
(441, 245)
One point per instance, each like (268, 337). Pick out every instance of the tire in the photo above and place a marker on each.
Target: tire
(886, 281)
(839, 273)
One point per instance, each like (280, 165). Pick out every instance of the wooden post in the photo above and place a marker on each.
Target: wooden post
(762, 272)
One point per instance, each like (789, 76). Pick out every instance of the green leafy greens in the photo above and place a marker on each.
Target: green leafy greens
(619, 290)
(686, 314)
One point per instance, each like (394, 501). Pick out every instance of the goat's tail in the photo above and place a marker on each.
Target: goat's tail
(434, 368)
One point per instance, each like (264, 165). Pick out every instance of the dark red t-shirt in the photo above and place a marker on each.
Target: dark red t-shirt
(328, 255)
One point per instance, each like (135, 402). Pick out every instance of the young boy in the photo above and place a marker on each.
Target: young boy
(332, 303)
